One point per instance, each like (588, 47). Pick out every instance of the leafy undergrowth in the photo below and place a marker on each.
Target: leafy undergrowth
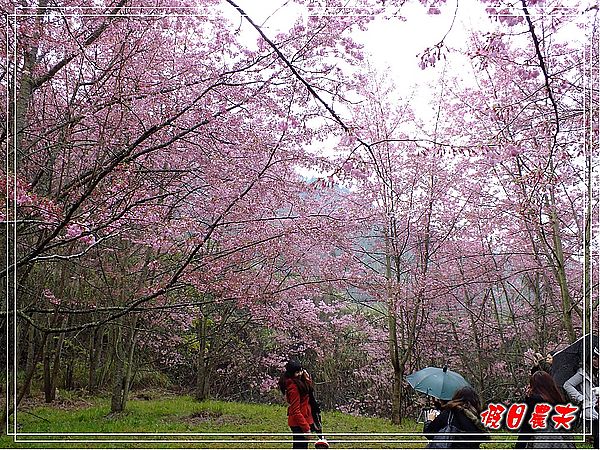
(182, 422)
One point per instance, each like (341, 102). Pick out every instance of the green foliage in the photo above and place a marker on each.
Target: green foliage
(151, 379)
(182, 414)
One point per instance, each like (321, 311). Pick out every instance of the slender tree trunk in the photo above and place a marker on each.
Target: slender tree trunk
(501, 326)
(69, 375)
(106, 354)
(30, 364)
(25, 85)
(25, 386)
(116, 403)
(202, 378)
(129, 367)
(56, 363)
(393, 347)
(123, 368)
(561, 275)
(52, 354)
(553, 251)
(47, 382)
(94, 358)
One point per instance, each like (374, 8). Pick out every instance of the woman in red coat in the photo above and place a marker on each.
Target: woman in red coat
(296, 384)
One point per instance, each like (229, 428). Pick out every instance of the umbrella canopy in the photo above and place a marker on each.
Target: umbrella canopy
(566, 362)
(437, 382)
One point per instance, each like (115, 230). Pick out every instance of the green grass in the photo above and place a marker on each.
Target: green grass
(181, 414)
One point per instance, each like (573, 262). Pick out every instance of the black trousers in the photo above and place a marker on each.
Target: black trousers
(300, 439)
(593, 425)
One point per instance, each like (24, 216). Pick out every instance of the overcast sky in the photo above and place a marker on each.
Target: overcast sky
(392, 45)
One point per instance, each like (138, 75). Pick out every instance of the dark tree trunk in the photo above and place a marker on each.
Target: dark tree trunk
(116, 401)
(203, 372)
(6, 413)
(123, 368)
(31, 356)
(48, 394)
(94, 352)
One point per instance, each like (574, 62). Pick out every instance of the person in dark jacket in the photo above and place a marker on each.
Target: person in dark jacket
(542, 389)
(295, 384)
(583, 388)
(464, 409)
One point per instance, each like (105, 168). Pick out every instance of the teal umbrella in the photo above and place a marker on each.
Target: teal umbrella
(439, 383)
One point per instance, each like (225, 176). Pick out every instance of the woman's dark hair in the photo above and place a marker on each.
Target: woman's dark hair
(303, 387)
(283, 382)
(438, 403)
(465, 397)
(542, 384)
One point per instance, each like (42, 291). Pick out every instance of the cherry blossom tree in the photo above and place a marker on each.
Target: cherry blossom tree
(154, 188)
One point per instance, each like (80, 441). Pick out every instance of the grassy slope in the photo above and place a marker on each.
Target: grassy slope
(180, 414)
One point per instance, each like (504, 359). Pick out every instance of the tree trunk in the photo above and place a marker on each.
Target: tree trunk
(69, 375)
(129, 367)
(109, 360)
(553, 251)
(397, 397)
(123, 368)
(30, 364)
(202, 378)
(48, 395)
(6, 413)
(51, 364)
(56, 363)
(23, 97)
(94, 352)
(116, 402)
(393, 347)
(561, 275)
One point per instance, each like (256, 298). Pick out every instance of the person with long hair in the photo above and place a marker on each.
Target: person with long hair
(295, 384)
(541, 390)
(462, 413)
(582, 388)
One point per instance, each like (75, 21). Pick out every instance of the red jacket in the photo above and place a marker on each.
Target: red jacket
(299, 413)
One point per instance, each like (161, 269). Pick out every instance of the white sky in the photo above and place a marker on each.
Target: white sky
(392, 45)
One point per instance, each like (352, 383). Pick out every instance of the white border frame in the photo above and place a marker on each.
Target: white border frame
(16, 434)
